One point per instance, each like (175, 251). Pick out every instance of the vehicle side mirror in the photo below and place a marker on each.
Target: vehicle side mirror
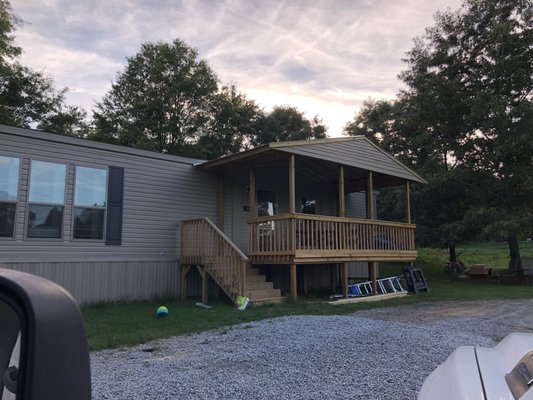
(43, 346)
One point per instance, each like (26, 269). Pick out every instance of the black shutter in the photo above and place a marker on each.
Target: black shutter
(115, 195)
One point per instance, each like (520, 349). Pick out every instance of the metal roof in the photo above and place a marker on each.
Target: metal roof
(353, 151)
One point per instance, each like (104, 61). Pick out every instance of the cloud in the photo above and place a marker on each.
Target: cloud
(324, 57)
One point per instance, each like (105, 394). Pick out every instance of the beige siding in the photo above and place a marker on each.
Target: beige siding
(158, 194)
(91, 282)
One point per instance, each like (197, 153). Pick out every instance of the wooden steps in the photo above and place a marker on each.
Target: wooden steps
(258, 290)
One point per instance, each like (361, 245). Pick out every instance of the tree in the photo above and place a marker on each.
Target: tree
(160, 102)
(475, 67)
(287, 123)
(469, 106)
(234, 118)
(29, 98)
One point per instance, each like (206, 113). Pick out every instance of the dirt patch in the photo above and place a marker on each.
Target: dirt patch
(492, 318)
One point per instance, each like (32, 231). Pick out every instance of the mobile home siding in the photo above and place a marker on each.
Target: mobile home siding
(159, 192)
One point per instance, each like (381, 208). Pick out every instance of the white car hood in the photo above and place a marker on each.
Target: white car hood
(476, 373)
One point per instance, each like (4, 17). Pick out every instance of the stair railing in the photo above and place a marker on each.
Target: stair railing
(203, 243)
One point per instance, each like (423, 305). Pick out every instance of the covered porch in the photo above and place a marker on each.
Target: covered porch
(312, 202)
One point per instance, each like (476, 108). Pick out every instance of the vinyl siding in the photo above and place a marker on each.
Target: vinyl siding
(158, 194)
(91, 282)
(358, 153)
(276, 180)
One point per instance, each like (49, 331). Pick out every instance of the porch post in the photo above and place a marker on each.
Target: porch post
(408, 207)
(374, 276)
(205, 280)
(342, 206)
(292, 185)
(221, 202)
(184, 272)
(407, 202)
(344, 275)
(294, 284)
(253, 214)
(292, 201)
(369, 196)
(372, 266)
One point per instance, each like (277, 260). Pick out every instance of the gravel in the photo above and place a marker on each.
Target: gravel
(303, 357)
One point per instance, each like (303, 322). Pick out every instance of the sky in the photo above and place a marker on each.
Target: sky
(323, 57)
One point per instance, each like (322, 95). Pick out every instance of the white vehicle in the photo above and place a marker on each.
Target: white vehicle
(504, 372)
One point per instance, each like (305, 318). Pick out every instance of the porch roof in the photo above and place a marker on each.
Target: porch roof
(354, 151)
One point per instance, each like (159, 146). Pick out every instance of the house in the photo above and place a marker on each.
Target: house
(109, 222)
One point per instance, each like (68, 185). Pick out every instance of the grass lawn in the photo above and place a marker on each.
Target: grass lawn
(112, 325)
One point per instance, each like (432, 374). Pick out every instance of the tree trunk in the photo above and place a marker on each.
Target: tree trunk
(515, 263)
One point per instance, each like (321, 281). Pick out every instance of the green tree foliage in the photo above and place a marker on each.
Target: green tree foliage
(287, 123)
(161, 101)
(167, 100)
(466, 119)
(29, 98)
(234, 119)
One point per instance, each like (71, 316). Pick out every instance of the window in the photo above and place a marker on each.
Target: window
(9, 183)
(46, 200)
(89, 203)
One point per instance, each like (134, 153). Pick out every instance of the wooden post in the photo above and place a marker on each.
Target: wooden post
(184, 272)
(369, 197)
(304, 280)
(332, 278)
(374, 277)
(342, 206)
(253, 213)
(205, 281)
(221, 202)
(370, 215)
(252, 233)
(344, 275)
(408, 207)
(407, 202)
(292, 200)
(292, 185)
(294, 283)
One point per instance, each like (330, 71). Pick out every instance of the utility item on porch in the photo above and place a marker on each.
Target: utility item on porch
(415, 280)
(162, 311)
(503, 372)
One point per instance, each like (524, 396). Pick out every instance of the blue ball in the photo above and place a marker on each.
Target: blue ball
(162, 311)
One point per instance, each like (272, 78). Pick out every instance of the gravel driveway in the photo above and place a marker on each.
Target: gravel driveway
(382, 353)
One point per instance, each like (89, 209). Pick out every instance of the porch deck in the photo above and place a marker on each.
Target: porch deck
(312, 239)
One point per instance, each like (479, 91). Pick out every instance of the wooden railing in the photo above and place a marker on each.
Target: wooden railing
(293, 234)
(203, 243)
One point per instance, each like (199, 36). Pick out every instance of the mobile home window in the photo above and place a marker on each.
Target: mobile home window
(90, 195)
(46, 200)
(9, 183)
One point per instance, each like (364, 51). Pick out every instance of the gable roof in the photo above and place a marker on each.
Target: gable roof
(353, 151)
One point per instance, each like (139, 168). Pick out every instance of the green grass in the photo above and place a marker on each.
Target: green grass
(113, 325)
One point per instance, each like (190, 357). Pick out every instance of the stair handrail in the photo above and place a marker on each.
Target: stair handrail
(214, 257)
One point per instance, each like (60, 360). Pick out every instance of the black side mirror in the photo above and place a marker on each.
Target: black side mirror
(41, 330)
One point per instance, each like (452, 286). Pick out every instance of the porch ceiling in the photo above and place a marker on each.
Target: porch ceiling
(320, 160)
